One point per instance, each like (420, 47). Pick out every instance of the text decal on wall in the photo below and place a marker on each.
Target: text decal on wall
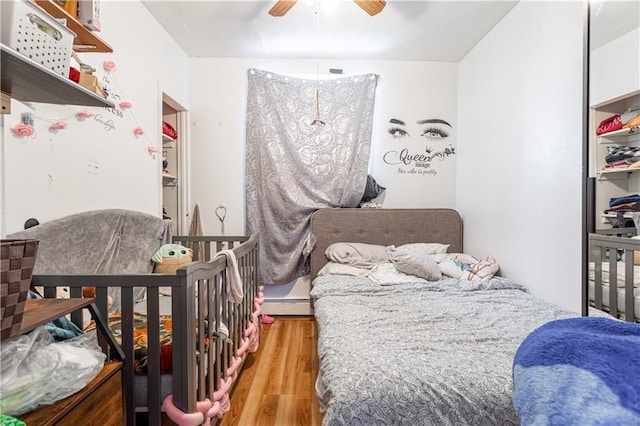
(411, 158)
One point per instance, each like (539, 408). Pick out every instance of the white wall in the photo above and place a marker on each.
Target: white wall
(520, 147)
(406, 90)
(85, 166)
(615, 68)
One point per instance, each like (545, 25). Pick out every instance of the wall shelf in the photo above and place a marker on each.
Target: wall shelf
(29, 81)
(617, 136)
(168, 141)
(619, 173)
(86, 40)
(169, 180)
(624, 215)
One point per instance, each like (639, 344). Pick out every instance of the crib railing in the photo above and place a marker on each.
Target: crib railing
(204, 247)
(204, 358)
(610, 249)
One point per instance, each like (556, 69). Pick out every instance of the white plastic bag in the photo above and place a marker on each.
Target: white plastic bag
(35, 370)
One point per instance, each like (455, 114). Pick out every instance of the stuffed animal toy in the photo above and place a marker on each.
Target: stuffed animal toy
(90, 293)
(170, 257)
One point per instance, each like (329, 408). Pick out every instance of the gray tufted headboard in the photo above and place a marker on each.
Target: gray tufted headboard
(385, 227)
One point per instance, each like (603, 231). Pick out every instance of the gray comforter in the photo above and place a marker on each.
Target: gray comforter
(421, 354)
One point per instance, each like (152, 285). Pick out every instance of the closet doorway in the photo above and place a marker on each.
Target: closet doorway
(175, 164)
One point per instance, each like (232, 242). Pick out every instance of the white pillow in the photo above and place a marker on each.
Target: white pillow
(426, 248)
(463, 258)
(386, 274)
(416, 263)
(357, 254)
(450, 268)
(340, 269)
(483, 270)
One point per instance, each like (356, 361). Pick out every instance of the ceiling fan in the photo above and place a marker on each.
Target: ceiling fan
(372, 7)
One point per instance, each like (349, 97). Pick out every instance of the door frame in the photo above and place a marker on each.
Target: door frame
(182, 222)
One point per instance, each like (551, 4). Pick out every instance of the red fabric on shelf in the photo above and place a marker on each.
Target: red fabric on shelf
(168, 130)
(610, 124)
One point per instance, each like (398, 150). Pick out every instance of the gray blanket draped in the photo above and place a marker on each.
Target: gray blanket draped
(110, 241)
(294, 168)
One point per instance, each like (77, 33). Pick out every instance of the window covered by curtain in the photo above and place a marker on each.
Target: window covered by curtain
(294, 168)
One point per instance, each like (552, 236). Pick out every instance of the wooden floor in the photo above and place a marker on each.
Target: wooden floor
(276, 384)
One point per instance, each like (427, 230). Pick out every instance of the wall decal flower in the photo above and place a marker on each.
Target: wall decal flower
(83, 115)
(138, 131)
(109, 65)
(58, 125)
(125, 105)
(23, 130)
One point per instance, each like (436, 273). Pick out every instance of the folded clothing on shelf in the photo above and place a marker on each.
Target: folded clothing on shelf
(634, 122)
(609, 124)
(168, 130)
(615, 201)
(630, 114)
(622, 156)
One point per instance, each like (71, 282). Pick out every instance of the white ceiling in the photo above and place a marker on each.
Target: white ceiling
(443, 30)
(611, 19)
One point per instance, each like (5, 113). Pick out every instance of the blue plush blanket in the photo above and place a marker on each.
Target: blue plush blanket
(579, 371)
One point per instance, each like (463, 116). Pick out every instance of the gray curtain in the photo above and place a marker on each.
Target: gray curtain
(294, 168)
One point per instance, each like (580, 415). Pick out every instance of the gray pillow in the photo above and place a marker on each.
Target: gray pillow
(416, 263)
(357, 254)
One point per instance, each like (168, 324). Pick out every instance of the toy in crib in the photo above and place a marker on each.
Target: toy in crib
(170, 257)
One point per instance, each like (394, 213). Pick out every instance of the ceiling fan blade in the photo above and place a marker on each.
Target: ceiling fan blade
(282, 7)
(372, 7)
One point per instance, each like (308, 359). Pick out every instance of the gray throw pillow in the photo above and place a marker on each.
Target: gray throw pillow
(416, 263)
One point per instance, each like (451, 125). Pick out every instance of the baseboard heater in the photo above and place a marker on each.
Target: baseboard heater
(287, 307)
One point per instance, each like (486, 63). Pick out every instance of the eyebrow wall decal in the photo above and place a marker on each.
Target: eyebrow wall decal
(396, 121)
(434, 121)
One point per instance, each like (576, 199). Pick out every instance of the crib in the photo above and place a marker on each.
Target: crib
(210, 335)
(614, 273)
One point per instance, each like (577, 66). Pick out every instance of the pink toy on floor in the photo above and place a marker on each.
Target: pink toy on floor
(206, 410)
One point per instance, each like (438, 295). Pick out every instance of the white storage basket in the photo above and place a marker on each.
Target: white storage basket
(32, 32)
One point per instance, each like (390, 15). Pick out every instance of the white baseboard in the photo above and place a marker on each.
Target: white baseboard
(287, 307)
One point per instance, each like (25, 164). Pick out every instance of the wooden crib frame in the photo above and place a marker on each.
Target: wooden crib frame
(190, 381)
(604, 247)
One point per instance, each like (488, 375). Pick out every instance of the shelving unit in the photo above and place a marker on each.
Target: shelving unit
(619, 173)
(85, 41)
(618, 182)
(619, 136)
(168, 142)
(174, 191)
(169, 180)
(26, 80)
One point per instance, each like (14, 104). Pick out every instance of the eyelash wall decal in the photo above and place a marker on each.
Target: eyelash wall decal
(397, 132)
(435, 133)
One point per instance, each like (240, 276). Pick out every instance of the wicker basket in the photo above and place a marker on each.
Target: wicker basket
(18, 258)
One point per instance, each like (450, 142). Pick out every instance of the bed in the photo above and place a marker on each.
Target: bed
(586, 370)
(613, 265)
(415, 352)
(185, 341)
